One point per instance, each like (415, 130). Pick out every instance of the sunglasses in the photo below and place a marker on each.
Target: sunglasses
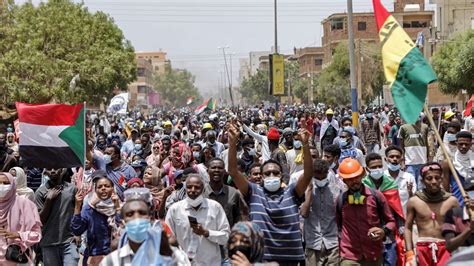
(430, 167)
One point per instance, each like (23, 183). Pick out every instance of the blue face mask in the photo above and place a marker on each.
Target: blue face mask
(343, 143)
(450, 137)
(138, 147)
(297, 144)
(369, 115)
(272, 184)
(196, 155)
(137, 230)
(393, 167)
(107, 159)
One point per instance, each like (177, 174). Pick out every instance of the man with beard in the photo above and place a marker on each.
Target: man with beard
(428, 208)
(463, 161)
(287, 143)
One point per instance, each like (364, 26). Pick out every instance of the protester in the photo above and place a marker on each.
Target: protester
(319, 211)
(99, 217)
(370, 132)
(363, 217)
(463, 161)
(21, 185)
(118, 171)
(55, 203)
(348, 150)
(449, 142)
(20, 224)
(7, 161)
(245, 244)
(329, 129)
(405, 181)
(469, 122)
(200, 225)
(274, 208)
(376, 179)
(414, 143)
(428, 209)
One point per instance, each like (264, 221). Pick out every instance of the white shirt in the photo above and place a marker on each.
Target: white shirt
(212, 217)
(266, 154)
(469, 124)
(290, 158)
(402, 179)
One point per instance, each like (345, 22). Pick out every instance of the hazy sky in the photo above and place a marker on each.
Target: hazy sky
(191, 31)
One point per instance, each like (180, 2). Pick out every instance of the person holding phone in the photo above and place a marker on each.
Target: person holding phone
(199, 224)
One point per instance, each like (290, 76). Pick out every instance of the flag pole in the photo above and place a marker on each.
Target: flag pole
(445, 153)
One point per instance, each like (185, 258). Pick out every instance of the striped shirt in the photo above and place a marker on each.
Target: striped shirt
(277, 216)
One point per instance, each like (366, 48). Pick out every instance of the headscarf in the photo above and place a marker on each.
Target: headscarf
(7, 202)
(13, 144)
(184, 154)
(106, 207)
(21, 186)
(254, 234)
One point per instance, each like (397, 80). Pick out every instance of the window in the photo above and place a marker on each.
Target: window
(337, 24)
(157, 68)
(318, 62)
(142, 89)
(362, 26)
(415, 24)
(141, 72)
(156, 56)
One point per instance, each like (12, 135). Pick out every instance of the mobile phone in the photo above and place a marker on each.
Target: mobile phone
(192, 220)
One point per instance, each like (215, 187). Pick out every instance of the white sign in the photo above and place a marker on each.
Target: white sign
(118, 104)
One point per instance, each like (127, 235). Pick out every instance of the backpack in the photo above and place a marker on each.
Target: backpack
(340, 203)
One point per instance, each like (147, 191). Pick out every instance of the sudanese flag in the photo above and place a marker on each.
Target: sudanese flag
(52, 135)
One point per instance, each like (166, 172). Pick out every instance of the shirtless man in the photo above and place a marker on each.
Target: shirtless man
(428, 208)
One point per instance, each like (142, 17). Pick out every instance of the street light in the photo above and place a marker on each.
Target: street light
(227, 71)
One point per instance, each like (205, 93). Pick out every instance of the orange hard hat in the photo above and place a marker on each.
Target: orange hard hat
(350, 168)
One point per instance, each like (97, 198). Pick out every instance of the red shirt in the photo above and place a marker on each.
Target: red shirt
(356, 220)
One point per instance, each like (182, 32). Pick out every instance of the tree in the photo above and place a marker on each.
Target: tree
(333, 83)
(255, 88)
(299, 86)
(175, 86)
(46, 46)
(454, 64)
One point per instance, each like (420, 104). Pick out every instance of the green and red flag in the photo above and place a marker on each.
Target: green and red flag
(389, 189)
(190, 100)
(207, 105)
(52, 135)
(406, 70)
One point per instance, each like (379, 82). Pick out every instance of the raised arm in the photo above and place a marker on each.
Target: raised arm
(252, 133)
(239, 179)
(303, 182)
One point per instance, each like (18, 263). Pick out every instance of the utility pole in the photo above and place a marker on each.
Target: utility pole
(360, 60)
(276, 29)
(228, 74)
(355, 109)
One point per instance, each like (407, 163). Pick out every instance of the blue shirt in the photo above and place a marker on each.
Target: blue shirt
(120, 177)
(278, 217)
(98, 230)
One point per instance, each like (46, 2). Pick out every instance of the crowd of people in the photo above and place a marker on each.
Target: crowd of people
(295, 186)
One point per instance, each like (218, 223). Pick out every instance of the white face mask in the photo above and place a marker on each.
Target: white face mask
(195, 202)
(376, 173)
(4, 189)
(321, 183)
(272, 184)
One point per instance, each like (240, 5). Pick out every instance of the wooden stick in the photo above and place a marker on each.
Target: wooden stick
(445, 152)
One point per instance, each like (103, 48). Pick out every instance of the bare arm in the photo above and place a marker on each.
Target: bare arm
(304, 181)
(454, 242)
(239, 179)
(306, 206)
(409, 225)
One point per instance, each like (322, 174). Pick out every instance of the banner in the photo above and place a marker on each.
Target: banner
(277, 75)
(118, 104)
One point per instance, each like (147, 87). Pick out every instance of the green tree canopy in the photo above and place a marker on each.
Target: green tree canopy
(47, 45)
(454, 64)
(175, 86)
(333, 84)
(299, 86)
(255, 88)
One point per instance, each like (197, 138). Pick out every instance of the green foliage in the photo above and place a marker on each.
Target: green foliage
(255, 88)
(454, 64)
(333, 83)
(299, 85)
(175, 86)
(46, 46)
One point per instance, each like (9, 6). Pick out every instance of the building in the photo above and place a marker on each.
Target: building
(244, 71)
(254, 60)
(143, 86)
(409, 13)
(453, 16)
(157, 58)
(310, 59)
